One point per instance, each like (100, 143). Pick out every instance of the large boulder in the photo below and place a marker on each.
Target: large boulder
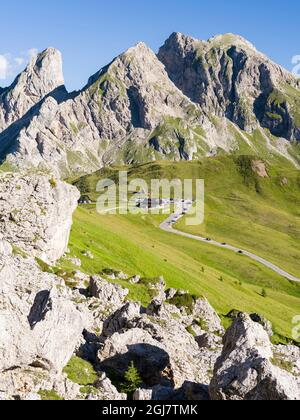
(138, 346)
(36, 213)
(161, 344)
(205, 314)
(39, 324)
(196, 309)
(119, 319)
(189, 392)
(106, 391)
(157, 393)
(245, 372)
(23, 380)
(106, 292)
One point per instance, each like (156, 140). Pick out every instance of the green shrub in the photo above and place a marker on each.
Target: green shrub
(150, 281)
(191, 331)
(186, 301)
(264, 293)
(279, 362)
(109, 272)
(53, 183)
(202, 324)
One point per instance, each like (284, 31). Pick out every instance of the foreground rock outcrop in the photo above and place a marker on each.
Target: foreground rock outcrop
(39, 324)
(245, 370)
(176, 347)
(76, 338)
(36, 213)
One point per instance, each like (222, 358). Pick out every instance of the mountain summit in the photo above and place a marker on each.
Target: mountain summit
(228, 77)
(42, 76)
(191, 100)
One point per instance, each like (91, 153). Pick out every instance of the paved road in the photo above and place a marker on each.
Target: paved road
(168, 226)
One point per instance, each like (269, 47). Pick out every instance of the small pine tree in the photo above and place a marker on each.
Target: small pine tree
(132, 380)
(264, 293)
(203, 270)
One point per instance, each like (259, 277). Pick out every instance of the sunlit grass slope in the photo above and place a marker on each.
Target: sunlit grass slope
(135, 245)
(260, 215)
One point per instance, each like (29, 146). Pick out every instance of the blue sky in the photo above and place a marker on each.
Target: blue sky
(91, 32)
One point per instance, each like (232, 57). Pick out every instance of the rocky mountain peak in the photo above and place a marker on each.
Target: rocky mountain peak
(139, 47)
(47, 66)
(180, 43)
(229, 78)
(140, 56)
(231, 40)
(42, 76)
(122, 104)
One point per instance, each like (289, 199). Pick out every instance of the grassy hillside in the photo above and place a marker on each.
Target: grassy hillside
(241, 208)
(134, 244)
(259, 214)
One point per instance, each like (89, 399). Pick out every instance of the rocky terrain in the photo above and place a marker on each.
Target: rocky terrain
(77, 340)
(36, 213)
(176, 343)
(191, 100)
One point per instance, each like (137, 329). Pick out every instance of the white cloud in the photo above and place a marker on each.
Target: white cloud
(33, 52)
(10, 66)
(19, 61)
(4, 66)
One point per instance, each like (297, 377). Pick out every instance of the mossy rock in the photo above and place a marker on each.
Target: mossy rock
(80, 372)
(186, 301)
(50, 395)
(279, 362)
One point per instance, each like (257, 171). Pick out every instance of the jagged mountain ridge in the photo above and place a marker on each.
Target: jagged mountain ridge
(191, 99)
(227, 76)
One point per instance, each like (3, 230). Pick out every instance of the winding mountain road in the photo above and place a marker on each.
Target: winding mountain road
(168, 224)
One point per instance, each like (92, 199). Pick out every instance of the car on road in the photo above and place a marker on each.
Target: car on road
(240, 252)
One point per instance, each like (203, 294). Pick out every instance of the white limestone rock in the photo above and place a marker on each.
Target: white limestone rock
(39, 324)
(36, 213)
(245, 370)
